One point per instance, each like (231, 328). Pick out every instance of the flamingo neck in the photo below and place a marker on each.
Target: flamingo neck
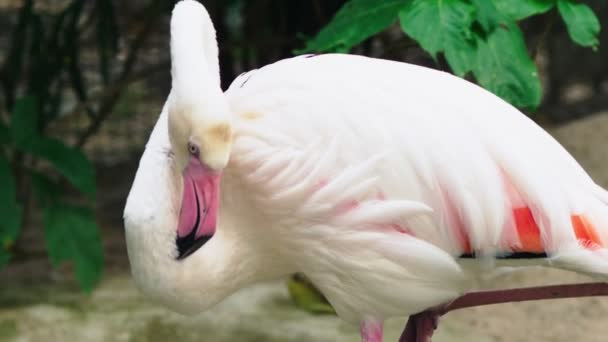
(237, 255)
(194, 53)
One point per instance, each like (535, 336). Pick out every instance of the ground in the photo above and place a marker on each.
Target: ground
(38, 303)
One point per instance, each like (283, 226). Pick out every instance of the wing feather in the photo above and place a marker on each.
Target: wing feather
(449, 145)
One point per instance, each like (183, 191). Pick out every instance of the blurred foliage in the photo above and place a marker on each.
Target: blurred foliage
(481, 37)
(42, 51)
(41, 71)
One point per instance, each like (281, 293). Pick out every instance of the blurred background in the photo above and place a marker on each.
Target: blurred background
(81, 86)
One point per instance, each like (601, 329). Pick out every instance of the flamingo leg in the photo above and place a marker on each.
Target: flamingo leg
(371, 330)
(420, 327)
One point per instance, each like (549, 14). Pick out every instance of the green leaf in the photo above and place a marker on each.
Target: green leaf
(71, 235)
(460, 55)
(24, 122)
(356, 21)
(306, 296)
(504, 67)
(10, 210)
(522, 9)
(70, 161)
(45, 189)
(442, 25)
(488, 15)
(582, 24)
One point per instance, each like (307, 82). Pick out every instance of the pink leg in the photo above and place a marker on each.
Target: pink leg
(420, 327)
(371, 330)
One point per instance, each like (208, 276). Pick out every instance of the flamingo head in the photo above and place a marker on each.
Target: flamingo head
(200, 128)
(178, 254)
(201, 148)
(184, 252)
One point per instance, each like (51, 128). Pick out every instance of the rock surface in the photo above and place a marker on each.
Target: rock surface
(587, 141)
(41, 309)
(117, 312)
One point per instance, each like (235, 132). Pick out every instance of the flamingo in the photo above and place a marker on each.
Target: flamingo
(396, 189)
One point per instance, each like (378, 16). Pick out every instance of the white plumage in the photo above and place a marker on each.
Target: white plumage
(371, 177)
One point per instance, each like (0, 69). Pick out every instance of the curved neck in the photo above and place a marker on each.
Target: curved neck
(194, 52)
(235, 257)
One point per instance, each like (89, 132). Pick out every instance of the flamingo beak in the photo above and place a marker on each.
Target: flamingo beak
(200, 203)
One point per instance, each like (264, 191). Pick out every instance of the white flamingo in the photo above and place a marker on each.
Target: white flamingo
(374, 178)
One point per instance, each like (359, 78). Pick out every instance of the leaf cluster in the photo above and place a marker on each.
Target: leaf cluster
(41, 66)
(478, 37)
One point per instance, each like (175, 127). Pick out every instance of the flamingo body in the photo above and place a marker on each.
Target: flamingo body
(419, 157)
(371, 177)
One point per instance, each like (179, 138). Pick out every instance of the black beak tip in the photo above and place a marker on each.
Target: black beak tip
(188, 244)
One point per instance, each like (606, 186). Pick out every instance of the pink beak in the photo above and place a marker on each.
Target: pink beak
(200, 203)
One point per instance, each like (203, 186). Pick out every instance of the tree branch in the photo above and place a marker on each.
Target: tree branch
(543, 35)
(110, 89)
(111, 96)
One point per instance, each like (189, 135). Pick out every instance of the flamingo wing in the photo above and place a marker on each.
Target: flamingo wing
(411, 156)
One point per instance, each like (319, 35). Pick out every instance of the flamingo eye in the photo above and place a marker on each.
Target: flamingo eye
(193, 149)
